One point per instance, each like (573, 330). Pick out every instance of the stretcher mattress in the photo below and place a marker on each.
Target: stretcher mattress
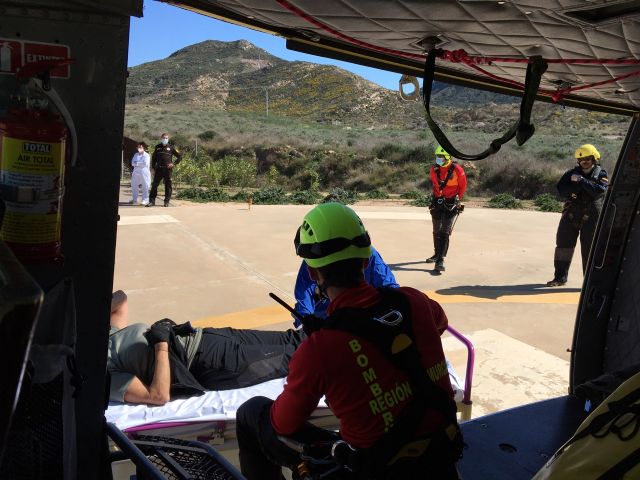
(213, 406)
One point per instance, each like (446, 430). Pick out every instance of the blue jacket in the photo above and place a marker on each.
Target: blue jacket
(309, 302)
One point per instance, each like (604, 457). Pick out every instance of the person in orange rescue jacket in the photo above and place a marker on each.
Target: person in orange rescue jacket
(397, 419)
(449, 184)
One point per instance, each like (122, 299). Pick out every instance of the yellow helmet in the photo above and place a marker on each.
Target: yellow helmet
(441, 152)
(587, 150)
(443, 158)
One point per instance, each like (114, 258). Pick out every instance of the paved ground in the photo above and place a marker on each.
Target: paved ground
(214, 264)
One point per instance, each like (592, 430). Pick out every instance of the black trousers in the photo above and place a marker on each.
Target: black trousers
(161, 173)
(443, 220)
(573, 225)
(228, 358)
(262, 453)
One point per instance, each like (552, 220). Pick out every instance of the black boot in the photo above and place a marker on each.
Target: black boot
(439, 265)
(432, 258)
(561, 273)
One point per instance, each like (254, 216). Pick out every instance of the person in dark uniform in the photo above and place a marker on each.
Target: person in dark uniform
(449, 184)
(583, 188)
(162, 163)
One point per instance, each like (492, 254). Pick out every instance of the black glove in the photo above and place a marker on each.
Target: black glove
(165, 322)
(159, 332)
(310, 324)
(184, 330)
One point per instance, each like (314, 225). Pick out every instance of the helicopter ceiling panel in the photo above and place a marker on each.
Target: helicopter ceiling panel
(593, 47)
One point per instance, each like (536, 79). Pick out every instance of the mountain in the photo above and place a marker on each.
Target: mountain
(215, 76)
(238, 76)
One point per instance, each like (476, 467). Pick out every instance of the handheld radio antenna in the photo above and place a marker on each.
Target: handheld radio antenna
(285, 305)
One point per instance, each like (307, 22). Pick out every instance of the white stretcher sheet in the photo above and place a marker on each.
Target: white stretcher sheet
(214, 405)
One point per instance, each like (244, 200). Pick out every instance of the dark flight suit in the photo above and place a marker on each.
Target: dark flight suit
(580, 213)
(161, 158)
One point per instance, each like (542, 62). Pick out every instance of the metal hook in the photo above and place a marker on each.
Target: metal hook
(405, 80)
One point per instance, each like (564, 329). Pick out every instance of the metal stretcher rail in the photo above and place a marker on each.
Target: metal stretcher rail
(465, 408)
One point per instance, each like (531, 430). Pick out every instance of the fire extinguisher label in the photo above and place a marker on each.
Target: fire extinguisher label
(37, 166)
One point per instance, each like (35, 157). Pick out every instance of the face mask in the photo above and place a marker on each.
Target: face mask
(165, 141)
(140, 150)
(439, 161)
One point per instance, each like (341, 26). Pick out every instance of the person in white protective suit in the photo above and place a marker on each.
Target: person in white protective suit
(141, 175)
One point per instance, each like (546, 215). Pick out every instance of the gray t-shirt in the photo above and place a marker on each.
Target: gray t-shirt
(129, 356)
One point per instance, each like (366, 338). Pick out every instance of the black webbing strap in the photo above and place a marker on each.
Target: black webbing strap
(443, 183)
(522, 129)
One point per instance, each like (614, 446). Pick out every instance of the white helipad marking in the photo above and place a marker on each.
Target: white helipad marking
(392, 215)
(519, 372)
(145, 219)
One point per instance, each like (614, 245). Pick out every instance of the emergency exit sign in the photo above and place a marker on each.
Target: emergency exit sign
(17, 53)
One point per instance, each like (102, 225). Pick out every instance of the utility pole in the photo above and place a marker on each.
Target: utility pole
(266, 98)
(196, 147)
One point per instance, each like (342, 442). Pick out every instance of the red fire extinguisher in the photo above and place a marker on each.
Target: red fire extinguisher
(33, 154)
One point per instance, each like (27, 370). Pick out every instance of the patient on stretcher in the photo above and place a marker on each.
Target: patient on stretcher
(155, 364)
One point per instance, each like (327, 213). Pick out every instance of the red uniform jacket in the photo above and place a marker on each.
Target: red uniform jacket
(364, 391)
(456, 185)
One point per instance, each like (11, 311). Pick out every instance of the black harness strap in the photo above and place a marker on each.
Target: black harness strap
(443, 183)
(522, 129)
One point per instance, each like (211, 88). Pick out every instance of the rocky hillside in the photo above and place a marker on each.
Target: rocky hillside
(238, 76)
(242, 78)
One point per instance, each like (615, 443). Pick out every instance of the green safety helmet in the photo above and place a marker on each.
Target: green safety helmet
(329, 233)
(441, 152)
(587, 150)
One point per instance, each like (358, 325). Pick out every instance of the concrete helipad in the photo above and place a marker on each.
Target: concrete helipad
(214, 265)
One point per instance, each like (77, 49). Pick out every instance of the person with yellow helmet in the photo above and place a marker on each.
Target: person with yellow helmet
(449, 185)
(583, 188)
(378, 402)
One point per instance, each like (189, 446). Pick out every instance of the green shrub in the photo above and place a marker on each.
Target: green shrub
(341, 195)
(237, 172)
(207, 135)
(413, 195)
(211, 174)
(422, 201)
(203, 195)
(547, 203)
(421, 154)
(180, 140)
(187, 172)
(304, 197)
(269, 196)
(272, 175)
(241, 196)
(376, 194)
(504, 200)
(392, 152)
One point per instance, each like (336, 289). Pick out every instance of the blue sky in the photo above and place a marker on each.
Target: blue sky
(165, 29)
